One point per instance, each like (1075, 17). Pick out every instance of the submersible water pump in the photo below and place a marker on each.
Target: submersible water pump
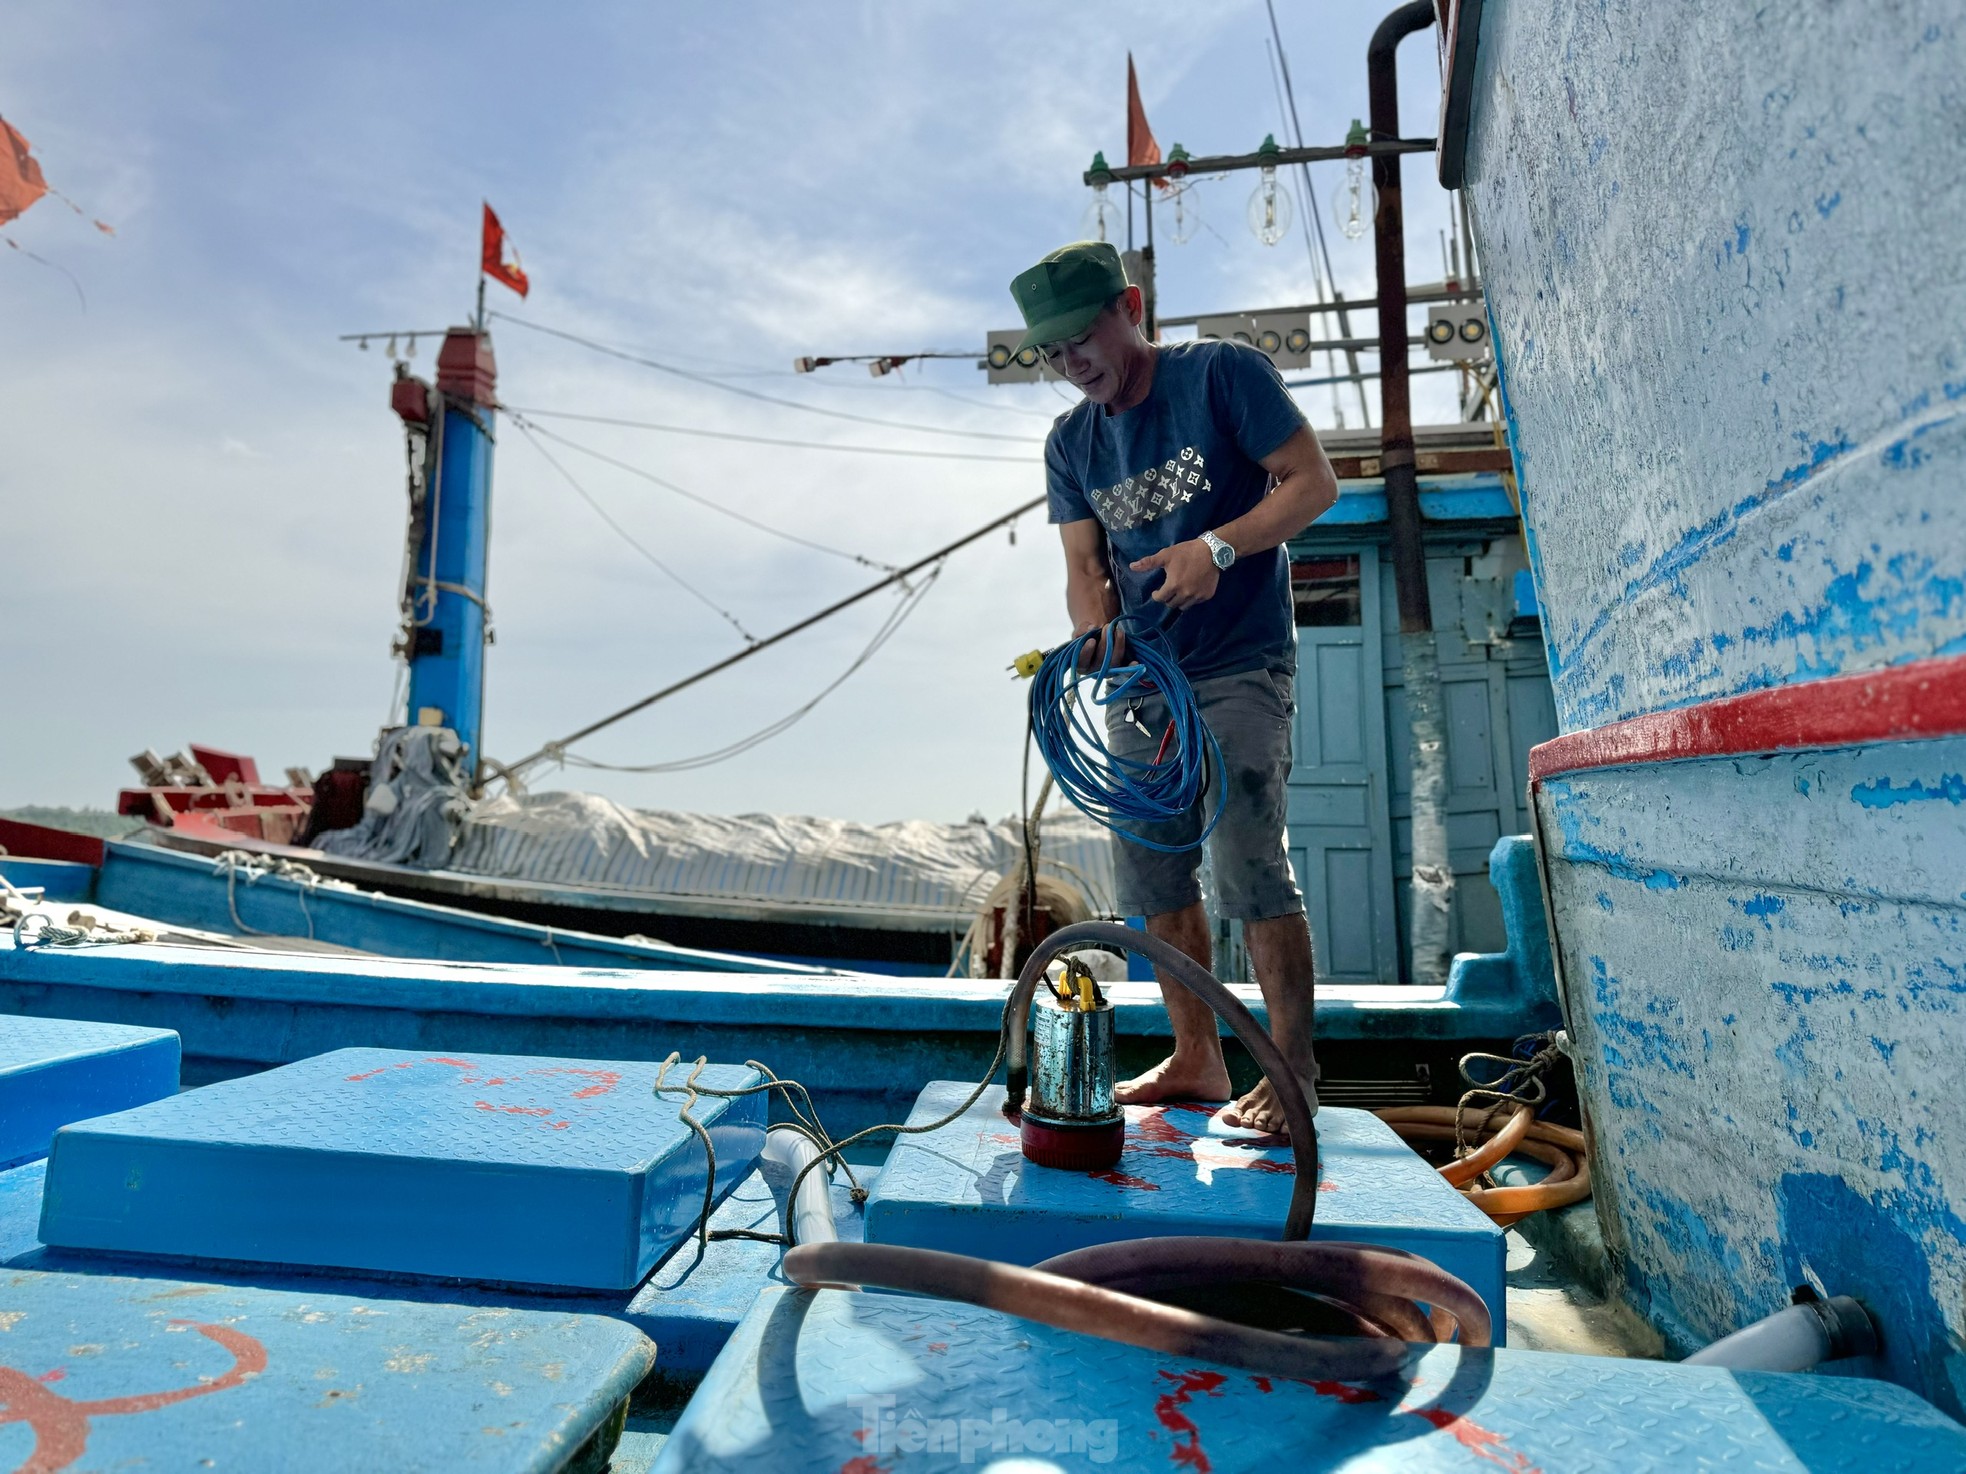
(1070, 1119)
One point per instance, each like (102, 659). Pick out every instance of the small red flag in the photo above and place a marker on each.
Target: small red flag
(21, 183)
(492, 259)
(1141, 146)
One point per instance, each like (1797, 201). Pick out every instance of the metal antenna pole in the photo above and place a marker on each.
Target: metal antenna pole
(481, 301)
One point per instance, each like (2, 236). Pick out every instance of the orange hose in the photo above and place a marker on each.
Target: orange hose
(1498, 1146)
(1561, 1148)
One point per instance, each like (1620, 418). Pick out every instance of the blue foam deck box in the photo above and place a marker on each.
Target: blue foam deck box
(118, 1373)
(56, 1070)
(967, 1189)
(501, 1168)
(835, 1381)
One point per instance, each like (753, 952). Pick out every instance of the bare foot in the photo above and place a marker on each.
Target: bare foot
(1261, 1111)
(1175, 1079)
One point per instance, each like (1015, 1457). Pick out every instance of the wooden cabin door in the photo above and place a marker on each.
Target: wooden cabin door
(1340, 831)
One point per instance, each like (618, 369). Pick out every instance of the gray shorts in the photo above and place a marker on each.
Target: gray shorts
(1250, 714)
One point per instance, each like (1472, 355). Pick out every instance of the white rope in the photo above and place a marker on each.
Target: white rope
(234, 863)
(83, 930)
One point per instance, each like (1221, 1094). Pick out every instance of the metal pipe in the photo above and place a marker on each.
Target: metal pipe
(1395, 398)
(1343, 305)
(1363, 374)
(1229, 163)
(1431, 884)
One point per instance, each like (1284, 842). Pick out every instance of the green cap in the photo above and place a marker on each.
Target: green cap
(1063, 293)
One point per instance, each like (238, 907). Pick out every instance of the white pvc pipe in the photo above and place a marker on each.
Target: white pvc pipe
(809, 1219)
(1795, 1339)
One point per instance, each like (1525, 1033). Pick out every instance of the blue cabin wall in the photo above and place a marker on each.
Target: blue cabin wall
(1719, 247)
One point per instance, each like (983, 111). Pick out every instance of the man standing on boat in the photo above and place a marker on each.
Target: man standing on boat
(1176, 484)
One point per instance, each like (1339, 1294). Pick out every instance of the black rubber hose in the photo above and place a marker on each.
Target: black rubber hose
(1174, 963)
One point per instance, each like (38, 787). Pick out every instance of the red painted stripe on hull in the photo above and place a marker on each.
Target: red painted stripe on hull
(1924, 698)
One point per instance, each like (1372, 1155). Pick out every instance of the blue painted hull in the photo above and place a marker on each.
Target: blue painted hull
(190, 890)
(1729, 350)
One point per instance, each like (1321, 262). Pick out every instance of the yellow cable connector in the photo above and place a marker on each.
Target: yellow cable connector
(1026, 665)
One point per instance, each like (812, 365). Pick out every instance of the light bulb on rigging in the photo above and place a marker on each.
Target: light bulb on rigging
(1187, 218)
(1102, 216)
(1269, 204)
(1356, 202)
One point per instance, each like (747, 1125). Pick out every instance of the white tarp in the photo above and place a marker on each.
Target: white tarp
(913, 869)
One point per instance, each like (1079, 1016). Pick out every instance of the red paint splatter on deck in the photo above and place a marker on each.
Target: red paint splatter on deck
(59, 1374)
(863, 1464)
(369, 1074)
(1167, 1409)
(938, 1347)
(514, 1110)
(1484, 1443)
(60, 1425)
(1344, 1392)
(440, 1059)
(1122, 1179)
(604, 1080)
(1153, 1125)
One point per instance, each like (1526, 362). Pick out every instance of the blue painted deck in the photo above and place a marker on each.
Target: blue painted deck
(57, 880)
(688, 1306)
(835, 1381)
(498, 1168)
(967, 1189)
(160, 1374)
(54, 1071)
(188, 890)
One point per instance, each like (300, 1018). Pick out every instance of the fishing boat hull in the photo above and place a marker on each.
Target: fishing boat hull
(1729, 351)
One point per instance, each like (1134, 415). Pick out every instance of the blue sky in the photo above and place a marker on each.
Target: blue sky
(201, 493)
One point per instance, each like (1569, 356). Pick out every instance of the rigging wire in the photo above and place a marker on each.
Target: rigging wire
(873, 450)
(792, 537)
(1311, 212)
(629, 538)
(717, 383)
(555, 748)
(896, 617)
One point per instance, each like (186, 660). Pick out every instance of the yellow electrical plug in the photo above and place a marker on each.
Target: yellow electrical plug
(1088, 1003)
(1026, 665)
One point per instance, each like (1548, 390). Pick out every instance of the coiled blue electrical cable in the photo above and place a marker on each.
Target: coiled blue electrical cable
(1067, 725)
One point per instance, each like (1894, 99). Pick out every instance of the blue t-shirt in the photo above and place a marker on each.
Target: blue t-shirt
(1184, 461)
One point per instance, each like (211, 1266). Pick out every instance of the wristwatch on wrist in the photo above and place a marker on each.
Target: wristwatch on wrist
(1220, 551)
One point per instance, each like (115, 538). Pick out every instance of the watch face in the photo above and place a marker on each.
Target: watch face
(1223, 554)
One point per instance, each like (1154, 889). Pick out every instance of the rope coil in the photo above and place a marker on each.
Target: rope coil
(1117, 791)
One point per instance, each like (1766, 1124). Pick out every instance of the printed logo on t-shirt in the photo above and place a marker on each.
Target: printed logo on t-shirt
(1153, 493)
